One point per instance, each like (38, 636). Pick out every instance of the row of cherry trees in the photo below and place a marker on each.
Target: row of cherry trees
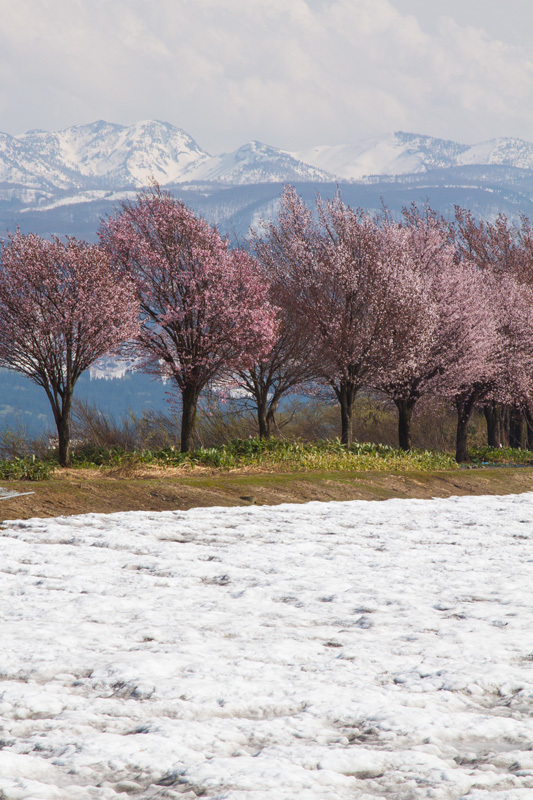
(415, 309)
(323, 299)
(162, 285)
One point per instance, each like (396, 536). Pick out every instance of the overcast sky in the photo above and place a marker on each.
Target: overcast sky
(290, 73)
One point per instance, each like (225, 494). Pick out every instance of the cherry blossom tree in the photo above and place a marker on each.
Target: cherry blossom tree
(502, 253)
(204, 307)
(345, 288)
(505, 376)
(496, 246)
(288, 367)
(284, 371)
(62, 307)
(525, 276)
(448, 337)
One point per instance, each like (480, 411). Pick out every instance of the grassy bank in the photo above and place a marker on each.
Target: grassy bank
(246, 472)
(271, 455)
(124, 488)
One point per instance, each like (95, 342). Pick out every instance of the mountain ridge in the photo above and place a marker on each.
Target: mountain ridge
(38, 166)
(65, 182)
(403, 153)
(41, 167)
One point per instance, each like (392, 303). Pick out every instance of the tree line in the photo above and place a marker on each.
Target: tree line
(327, 299)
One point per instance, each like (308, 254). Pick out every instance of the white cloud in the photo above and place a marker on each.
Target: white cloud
(289, 72)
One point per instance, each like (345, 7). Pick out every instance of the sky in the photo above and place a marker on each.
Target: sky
(290, 73)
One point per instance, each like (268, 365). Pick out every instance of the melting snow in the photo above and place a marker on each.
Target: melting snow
(319, 652)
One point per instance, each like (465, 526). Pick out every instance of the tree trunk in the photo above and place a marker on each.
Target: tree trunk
(492, 412)
(461, 440)
(189, 403)
(262, 419)
(271, 417)
(405, 413)
(504, 425)
(63, 436)
(515, 428)
(346, 395)
(61, 402)
(529, 421)
(465, 407)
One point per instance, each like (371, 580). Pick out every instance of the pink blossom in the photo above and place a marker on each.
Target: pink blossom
(61, 308)
(204, 307)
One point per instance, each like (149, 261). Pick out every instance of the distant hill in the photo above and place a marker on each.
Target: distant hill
(85, 162)
(64, 182)
(23, 403)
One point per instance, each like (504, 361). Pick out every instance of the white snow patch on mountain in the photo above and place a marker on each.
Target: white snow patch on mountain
(355, 161)
(509, 152)
(120, 154)
(407, 153)
(256, 162)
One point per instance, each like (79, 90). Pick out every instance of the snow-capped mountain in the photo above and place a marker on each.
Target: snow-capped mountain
(116, 155)
(87, 162)
(96, 156)
(408, 153)
(48, 167)
(65, 182)
(256, 163)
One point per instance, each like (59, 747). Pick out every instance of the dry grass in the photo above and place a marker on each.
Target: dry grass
(82, 491)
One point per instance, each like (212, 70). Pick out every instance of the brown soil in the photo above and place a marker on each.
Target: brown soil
(83, 491)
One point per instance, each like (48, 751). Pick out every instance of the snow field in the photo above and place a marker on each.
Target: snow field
(318, 651)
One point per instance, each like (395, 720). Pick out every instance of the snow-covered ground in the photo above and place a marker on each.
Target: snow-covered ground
(311, 652)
